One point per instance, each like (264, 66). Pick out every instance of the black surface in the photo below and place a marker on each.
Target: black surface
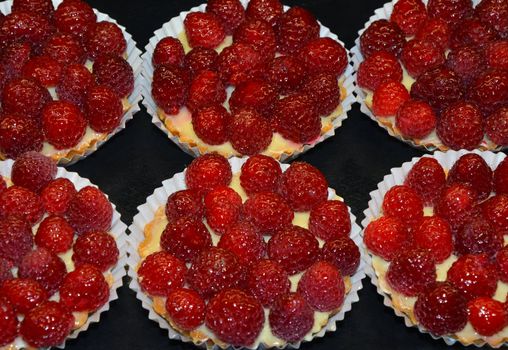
(135, 162)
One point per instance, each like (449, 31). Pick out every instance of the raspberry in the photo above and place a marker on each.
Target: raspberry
(185, 238)
(409, 15)
(170, 87)
(24, 97)
(115, 72)
(168, 50)
(259, 35)
(16, 239)
(455, 204)
(200, 58)
(22, 203)
(104, 38)
(489, 90)
(435, 30)
(295, 28)
(291, 317)
(378, 68)
(95, 248)
(294, 248)
(41, 7)
(57, 195)
(5, 269)
(90, 210)
(203, 29)
(8, 323)
(74, 84)
(267, 10)
(230, 12)
(403, 203)
(160, 273)
(419, 56)
(211, 124)
(55, 234)
(474, 276)
(23, 294)
(494, 13)
(74, 17)
(254, 94)
(47, 325)
(84, 289)
(487, 316)
(184, 203)
(43, 69)
(478, 236)
(452, 11)
(65, 49)
(343, 253)
(44, 267)
(502, 264)
(186, 309)
(382, 35)
(14, 57)
(103, 108)
(267, 280)
(268, 212)
(434, 234)
(244, 124)
(33, 171)
(207, 172)
(323, 89)
(441, 309)
(473, 170)
(260, 174)
(460, 126)
(388, 98)
(63, 124)
(238, 63)
(501, 178)
(330, 220)
(214, 270)
(496, 54)
(244, 241)
(235, 317)
(222, 208)
(286, 73)
(206, 89)
(472, 32)
(385, 237)
(495, 210)
(411, 272)
(324, 55)
(24, 26)
(415, 119)
(467, 62)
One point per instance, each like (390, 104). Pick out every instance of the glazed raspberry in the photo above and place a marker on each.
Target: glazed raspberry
(115, 72)
(258, 34)
(47, 325)
(214, 270)
(260, 174)
(291, 317)
(14, 57)
(41, 7)
(330, 220)
(184, 203)
(267, 10)
(489, 90)
(343, 253)
(455, 204)
(478, 236)
(419, 56)
(295, 28)
(74, 84)
(63, 124)
(474, 276)
(409, 15)
(23, 294)
(206, 89)
(415, 119)
(268, 212)
(170, 87)
(57, 195)
(379, 67)
(388, 98)
(382, 35)
(267, 280)
(186, 309)
(211, 124)
(84, 289)
(185, 238)
(501, 178)
(238, 63)
(22, 26)
(324, 55)
(55, 234)
(16, 239)
(502, 264)
(203, 29)
(104, 38)
(496, 54)
(33, 171)
(244, 124)
(90, 210)
(8, 323)
(403, 203)
(286, 73)
(22, 203)
(207, 172)
(95, 248)
(472, 32)
(411, 272)
(74, 17)
(222, 208)
(385, 237)
(472, 169)
(467, 62)
(103, 108)
(44, 267)
(452, 11)
(441, 310)
(65, 49)
(435, 30)
(460, 126)
(235, 317)
(160, 273)
(495, 210)
(168, 50)
(254, 94)
(324, 91)
(5, 270)
(24, 97)
(434, 234)
(244, 241)
(294, 248)
(487, 316)
(494, 13)
(200, 58)
(230, 12)
(43, 69)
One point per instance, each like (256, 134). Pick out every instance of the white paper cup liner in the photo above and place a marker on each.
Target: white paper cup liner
(146, 213)
(397, 177)
(133, 56)
(175, 27)
(117, 230)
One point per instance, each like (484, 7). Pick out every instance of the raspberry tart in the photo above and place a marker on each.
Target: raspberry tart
(433, 72)
(436, 248)
(67, 79)
(274, 72)
(62, 253)
(217, 235)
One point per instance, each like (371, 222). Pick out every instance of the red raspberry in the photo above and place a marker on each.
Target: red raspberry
(330, 220)
(103, 108)
(211, 124)
(170, 87)
(230, 12)
(382, 35)
(23, 26)
(47, 325)
(43, 69)
(238, 63)
(244, 241)
(495, 210)
(441, 310)
(24, 97)
(90, 210)
(185, 238)
(214, 270)
(63, 124)
(5, 269)
(494, 13)
(415, 119)
(455, 204)
(16, 239)
(295, 28)
(294, 248)
(286, 73)
(203, 29)
(57, 195)
(268, 212)
(324, 91)
(222, 208)
(206, 89)
(478, 236)
(291, 317)
(23, 294)
(235, 317)
(207, 172)
(115, 72)
(14, 57)
(33, 171)
(411, 272)
(74, 84)
(200, 58)
(160, 273)
(244, 124)
(95, 248)
(185, 203)
(41, 7)
(471, 31)
(104, 38)
(502, 263)
(435, 30)
(267, 280)
(496, 126)
(409, 15)
(487, 316)
(8, 323)
(501, 178)
(44, 267)
(378, 68)
(84, 289)
(186, 309)
(324, 55)
(255, 94)
(466, 61)
(388, 98)
(489, 90)
(419, 56)
(267, 10)
(258, 34)
(343, 253)
(22, 203)
(473, 170)
(65, 49)
(260, 174)
(55, 234)
(435, 235)
(74, 17)
(168, 50)
(474, 276)
(452, 11)
(403, 203)
(385, 237)
(461, 126)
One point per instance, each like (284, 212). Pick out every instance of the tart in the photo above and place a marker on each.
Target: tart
(174, 228)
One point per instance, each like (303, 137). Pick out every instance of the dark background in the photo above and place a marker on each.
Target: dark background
(135, 162)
